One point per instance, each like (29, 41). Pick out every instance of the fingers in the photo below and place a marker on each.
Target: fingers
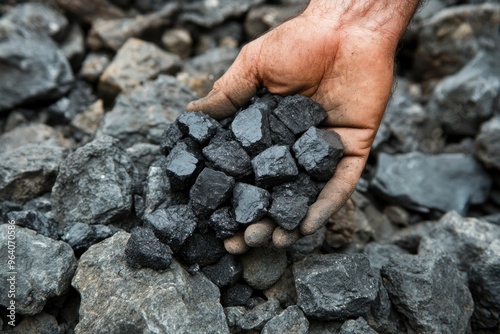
(236, 244)
(233, 89)
(283, 238)
(334, 195)
(260, 233)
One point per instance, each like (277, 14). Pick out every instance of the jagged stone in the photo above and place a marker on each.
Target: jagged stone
(299, 113)
(274, 165)
(250, 203)
(288, 212)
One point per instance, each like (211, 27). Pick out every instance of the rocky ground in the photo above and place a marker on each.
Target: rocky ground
(87, 88)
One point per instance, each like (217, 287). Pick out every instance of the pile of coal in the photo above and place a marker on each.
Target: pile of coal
(269, 160)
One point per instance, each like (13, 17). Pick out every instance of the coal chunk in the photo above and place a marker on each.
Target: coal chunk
(229, 157)
(302, 186)
(211, 189)
(299, 113)
(144, 250)
(223, 223)
(274, 165)
(288, 212)
(250, 203)
(81, 236)
(170, 137)
(251, 128)
(318, 152)
(224, 272)
(198, 126)
(172, 225)
(236, 295)
(36, 221)
(280, 134)
(202, 249)
(183, 165)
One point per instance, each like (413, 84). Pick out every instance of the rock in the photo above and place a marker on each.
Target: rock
(462, 101)
(453, 36)
(288, 212)
(250, 203)
(485, 288)
(41, 323)
(335, 286)
(284, 289)
(299, 113)
(223, 223)
(224, 272)
(35, 221)
(113, 33)
(73, 46)
(217, 184)
(94, 185)
(264, 17)
(486, 146)
(183, 164)
(255, 319)
(280, 134)
(38, 18)
(94, 65)
(135, 62)
(87, 122)
(262, 267)
(144, 250)
(201, 249)
(462, 239)
(142, 156)
(29, 170)
(81, 236)
(309, 244)
(358, 326)
(324, 327)
(429, 292)
(177, 41)
(397, 214)
(209, 15)
(318, 152)
(142, 115)
(236, 295)
(292, 320)
(274, 165)
(67, 108)
(172, 225)
(303, 186)
(198, 126)
(49, 75)
(251, 128)
(444, 182)
(44, 269)
(380, 254)
(170, 137)
(31, 134)
(134, 299)
(228, 157)
(89, 11)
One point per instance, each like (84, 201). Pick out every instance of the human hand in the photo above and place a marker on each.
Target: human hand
(342, 56)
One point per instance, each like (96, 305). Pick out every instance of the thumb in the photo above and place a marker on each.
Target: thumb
(235, 88)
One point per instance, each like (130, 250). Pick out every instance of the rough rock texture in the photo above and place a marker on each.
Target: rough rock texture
(303, 186)
(239, 318)
(81, 236)
(250, 203)
(177, 41)
(198, 126)
(30, 134)
(223, 223)
(136, 62)
(170, 137)
(35, 221)
(44, 269)
(299, 113)
(430, 292)
(210, 190)
(68, 107)
(487, 144)
(228, 157)
(29, 170)
(318, 152)
(41, 323)
(251, 128)
(224, 272)
(142, 156)
(146, 112)
(288, 212)
(183, 164)
(280, 134)
(444, 182)
(274, 165)
(335, 286)
(236, 295)
(262, 267)
(94, 185)
(201, 249)
(358, 326)
(133, 300)
(93, 66)
(144, 250)
(292, 320)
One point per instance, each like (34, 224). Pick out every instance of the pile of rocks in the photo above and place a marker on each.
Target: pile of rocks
(106, 178)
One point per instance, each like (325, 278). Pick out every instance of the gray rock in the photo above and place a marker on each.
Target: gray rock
(44, 269)
(87, 122)
(65, 109)
(95, 184)
(133, 300)
(31, 134)
(256, 318)
(94, 65)
(274, 165)
(358, 326)
(318, 152)
(89, 11)
(236, 295)
(292, 320)
(288, 212)
(335, 286)
(142, 156)
(172, 225)
(177, 41)
(142, 115)
(487, 143)
(453, 36)
(228, 157)
(262, 267)
(211, 189)
(41, 323)
(443, 182)
(224, 272)
(250, 203)
(183, 164)
(303, 186)
(202, 249)
(223, 223)
(463, 239)
(462, 101)
(251, 128)
(35, 221)
(299, 113)
(280, 134)
(429, 292)
(170, 137)
(81, 236)
(485, 288)
(379, 254)
(135, 62)
(29, 170)
(144, 250)
(198, 126)
(306, 245)
(49, 75)
(73, 46)
(284, 289)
